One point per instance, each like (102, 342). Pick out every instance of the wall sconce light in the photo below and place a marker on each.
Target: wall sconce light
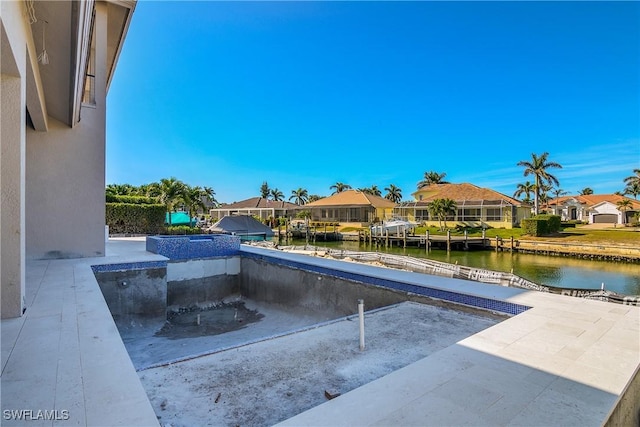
(43, 58)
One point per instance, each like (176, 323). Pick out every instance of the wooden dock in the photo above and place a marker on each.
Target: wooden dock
(427, 241)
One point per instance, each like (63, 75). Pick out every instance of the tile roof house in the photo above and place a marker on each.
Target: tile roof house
(594, 208)
(256, 206)
(476, 206)
(351, 206)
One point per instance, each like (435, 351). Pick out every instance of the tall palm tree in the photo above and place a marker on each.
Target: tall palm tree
(299, 196)
(192, 197)
(210, 195)
(276, 195)
(538, 168)
(171, 191)
(527, 189)
(374, 190)
(635, 178)
(624, 205)
(432, 177)
(339, 187)
(558, 192)
(633, 189)
(441, 208)
(393, 193)
(265, 190)
(585, 191)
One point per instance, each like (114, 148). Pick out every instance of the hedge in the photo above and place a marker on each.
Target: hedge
(181, 230)
(136, 200)
(541, 225)
(129, 218)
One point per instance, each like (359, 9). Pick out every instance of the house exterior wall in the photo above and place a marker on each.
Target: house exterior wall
(65, 175)
(14, 39)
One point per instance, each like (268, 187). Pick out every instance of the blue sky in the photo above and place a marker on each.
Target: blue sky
(307, 94)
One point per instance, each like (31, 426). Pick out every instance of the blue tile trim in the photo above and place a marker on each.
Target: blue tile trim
(103, 268)
(194, 246)
(471, 300)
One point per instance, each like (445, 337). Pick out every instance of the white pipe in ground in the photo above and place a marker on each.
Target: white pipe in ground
(361, 316)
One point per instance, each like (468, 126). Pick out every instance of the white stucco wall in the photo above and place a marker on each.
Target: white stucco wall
(65, 176)
(14, 36)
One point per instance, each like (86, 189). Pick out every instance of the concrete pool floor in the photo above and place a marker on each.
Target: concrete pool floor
(274, 379)
(563, 362)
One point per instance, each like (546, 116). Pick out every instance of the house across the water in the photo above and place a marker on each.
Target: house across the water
(351, 207)
(475, 206)
(594, 208)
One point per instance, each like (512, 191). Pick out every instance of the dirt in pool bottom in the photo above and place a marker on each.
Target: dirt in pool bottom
(198, 322)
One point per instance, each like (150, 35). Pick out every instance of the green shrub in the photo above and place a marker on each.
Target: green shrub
(135, 200)
(181, 230)
(129, 218)
(541, 225)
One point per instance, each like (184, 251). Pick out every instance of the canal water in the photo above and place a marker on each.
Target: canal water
(548, 270)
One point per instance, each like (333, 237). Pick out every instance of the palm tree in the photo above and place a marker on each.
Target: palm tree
(393, 193)
(192, 197)
(527, 188)
(374, 190)
(558, 192)
(585, 191)
(264, 190)
(339, 187)
(276, 195)
(171, 191)
(300, 196)
(538, 168)
(210, 195)
(441, 208)
(121, 189)
(432, 177)
(624, 205)
(633, 189)
(633, 178)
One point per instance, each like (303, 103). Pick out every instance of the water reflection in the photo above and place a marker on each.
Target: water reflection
(543, 269)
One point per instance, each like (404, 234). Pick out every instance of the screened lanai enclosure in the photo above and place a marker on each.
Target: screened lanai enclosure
(470, 213)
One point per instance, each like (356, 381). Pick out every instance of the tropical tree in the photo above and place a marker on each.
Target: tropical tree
(393, 193)
(527, 189)
(265, 190)
(313, 198)
(635, 178)
(339, 187)
(585, 191)
(210, 195)
(633, 189)
(441, 208)
(121, 189)
(171, 192)
(432, 177)
(624, 205)
(299, 196)
(538, 168)
(276, 195)
(193, 199)
(558, 192)
(374, 190)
